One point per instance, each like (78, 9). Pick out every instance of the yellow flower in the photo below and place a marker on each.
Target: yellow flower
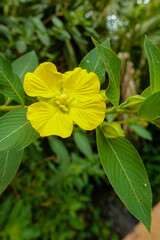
(63, 99)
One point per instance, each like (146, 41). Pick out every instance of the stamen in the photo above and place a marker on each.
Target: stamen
(63, 101)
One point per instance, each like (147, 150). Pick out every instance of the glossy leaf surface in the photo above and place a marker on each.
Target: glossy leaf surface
(24, 64)
(126, 172)
(112, 65)
(9, 162)
(16, 131)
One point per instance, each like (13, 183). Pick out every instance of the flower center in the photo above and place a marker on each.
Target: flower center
(62, 101)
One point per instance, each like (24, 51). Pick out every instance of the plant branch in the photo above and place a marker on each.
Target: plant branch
(114, 110)
(10, 108)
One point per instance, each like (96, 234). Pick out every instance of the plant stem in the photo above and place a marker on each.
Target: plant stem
(10, 108)
(117, 111)
(7, 101)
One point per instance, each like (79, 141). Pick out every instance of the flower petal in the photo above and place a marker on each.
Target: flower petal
(45, 81)
(80, 82)
(49, 120)
(89, 112)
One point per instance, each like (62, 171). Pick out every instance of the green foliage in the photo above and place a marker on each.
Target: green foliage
(58, 203)
(112, 65)
(93, 63)
(55, 180)
(153, 55)
(151, 158)
(9, 162)
(133, 103)
(150, 110)
(59, 148)
(83, 144)
(18, 134)
(10, 84)
(24, 64)
(16, 131)
(147, 92)
(18, 221)
(111, 130)
(142, 132)
(122, 163)
(58, 31)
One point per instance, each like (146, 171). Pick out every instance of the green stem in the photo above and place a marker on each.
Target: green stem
(10, 108)
(7, 101)
(114, 110)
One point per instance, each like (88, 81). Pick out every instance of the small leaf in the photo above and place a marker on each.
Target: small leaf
(147, 92)
(9, 162)
(24, 64)
(16, 131)
(43, 37)
(150, 109)
(57, 22)
(132, 103)
(39, 24)
(10, 84)
(126, 172)
(58, 148)
(113, 66)
(153, 55)
(6, 32)
(29, 27)
(93, 63)
(111, 130)
(83, 144)
(21, 45)
(142, 132)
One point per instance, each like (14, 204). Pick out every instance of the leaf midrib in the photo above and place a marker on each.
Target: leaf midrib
(12, 87)
(96, 64)
(14, 131)
(24, 69)
(126, 177)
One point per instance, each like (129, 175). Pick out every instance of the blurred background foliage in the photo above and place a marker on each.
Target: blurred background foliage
(60, 191)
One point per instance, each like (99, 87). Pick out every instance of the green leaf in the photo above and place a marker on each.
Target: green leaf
(39, 24)
(57, 22)
(83, 144)
(58, 148)
(150, 109)
(93, 63)
(126, 172)
(147, 92)
(113, 66)
(9, 162)
(21, 45)
(111, 130)
(157, 122)
(43, 37)
(132, 103)
(24, 64)
(142, 132)
(10, 84)
(153, 55)
(16, 131)
(5, 31)
(29, 27)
